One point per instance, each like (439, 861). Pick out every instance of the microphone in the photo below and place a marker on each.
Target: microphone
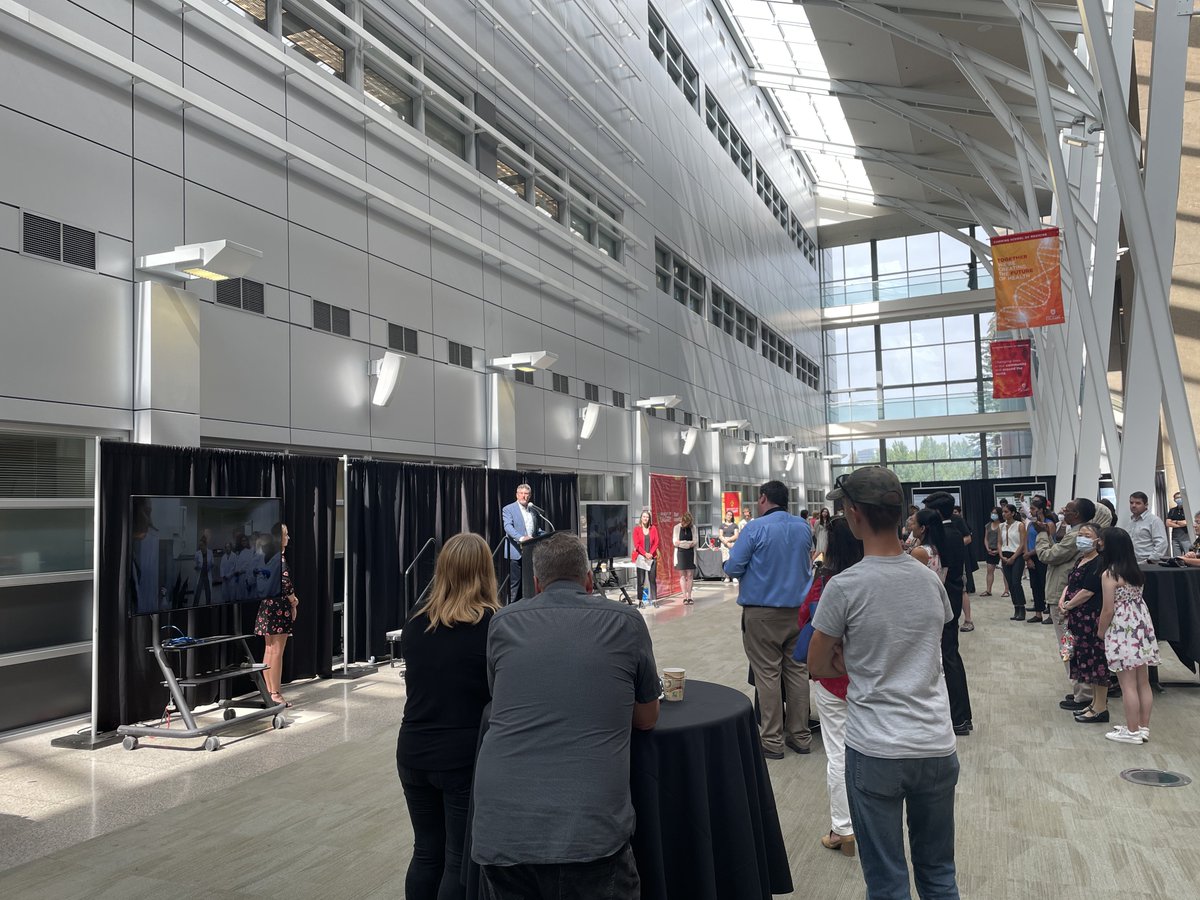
(537, 511)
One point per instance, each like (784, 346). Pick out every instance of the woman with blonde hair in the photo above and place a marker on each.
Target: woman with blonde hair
(444, 646)
(684, 539)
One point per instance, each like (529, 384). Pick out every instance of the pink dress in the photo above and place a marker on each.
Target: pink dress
(1129, 641)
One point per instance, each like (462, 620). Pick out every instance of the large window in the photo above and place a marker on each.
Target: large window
(919, 265)
(912, 369)
(668, 52)
(940, 457)
(317, 43)
(675, 276)
(728, 136)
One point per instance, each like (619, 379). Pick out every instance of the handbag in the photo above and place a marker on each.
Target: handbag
(1066, 645)
(800, 653)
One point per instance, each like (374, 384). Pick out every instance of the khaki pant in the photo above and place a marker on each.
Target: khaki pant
(1079, 690)
(769, 637)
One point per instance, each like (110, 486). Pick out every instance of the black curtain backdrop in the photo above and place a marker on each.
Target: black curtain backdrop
(129, 679)
(394, 508)
(978, 498)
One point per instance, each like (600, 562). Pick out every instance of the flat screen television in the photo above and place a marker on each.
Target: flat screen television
(607, 530)
(191, 552)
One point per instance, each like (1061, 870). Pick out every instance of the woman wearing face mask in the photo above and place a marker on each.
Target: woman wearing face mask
(1012, 559)
(991, 545)
(1081, 602)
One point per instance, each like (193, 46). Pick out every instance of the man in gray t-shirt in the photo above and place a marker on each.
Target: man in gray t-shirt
(880, 622)
(571, 674)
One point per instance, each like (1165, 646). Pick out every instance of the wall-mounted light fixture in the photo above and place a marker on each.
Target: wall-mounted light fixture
(748, 451)
(663, 401)
(212, 260)
(588, 417)
(832, 456)
(776, 439)
(788, 461)
(731, 423)
(808, 449)
(386, 372)
(689, 439)
(526, 362)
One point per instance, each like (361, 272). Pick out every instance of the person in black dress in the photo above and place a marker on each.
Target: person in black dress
(684, 539)
(275, 618)
(1081, 602)
(444, 646)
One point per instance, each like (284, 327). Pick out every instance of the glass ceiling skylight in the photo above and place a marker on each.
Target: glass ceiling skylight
(782, 42)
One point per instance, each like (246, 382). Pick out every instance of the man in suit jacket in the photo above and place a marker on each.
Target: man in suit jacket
(520, 524)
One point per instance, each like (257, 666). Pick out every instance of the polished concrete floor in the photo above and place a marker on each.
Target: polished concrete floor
(315, 811)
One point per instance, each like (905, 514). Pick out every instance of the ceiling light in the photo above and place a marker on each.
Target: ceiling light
(588, 417)
(526, 362)
(664, 401)
(212, 260)
(689, 439)
(387, 373)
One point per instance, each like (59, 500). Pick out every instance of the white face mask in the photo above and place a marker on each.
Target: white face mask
(1085, 544)
(995, 518)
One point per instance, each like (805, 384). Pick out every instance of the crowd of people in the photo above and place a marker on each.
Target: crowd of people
(861, 610)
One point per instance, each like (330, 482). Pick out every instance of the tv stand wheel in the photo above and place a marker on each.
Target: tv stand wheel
(278, 722)
(130, 742)
(211, 744)
(230, 713)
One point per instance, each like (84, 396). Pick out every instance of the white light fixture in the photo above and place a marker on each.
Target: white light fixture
(808, 449)
(748, 452)
(663, 401)
(212, 261)
(732, 423)
(387, 373)
(1073, 141)
(776, 439)
(789, 461)
(833, 456)
(588, 417)
(526, 362)
(689, 439)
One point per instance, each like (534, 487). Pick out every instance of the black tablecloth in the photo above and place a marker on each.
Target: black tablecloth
(708, 564)
(707, 826)
(1173, 598)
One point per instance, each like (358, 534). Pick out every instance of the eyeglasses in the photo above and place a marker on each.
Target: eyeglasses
(840, 484)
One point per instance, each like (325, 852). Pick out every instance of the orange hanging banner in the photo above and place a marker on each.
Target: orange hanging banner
(731, 501)
(1012, 369)
(1028, 280)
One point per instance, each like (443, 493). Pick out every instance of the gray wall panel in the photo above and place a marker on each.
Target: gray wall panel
(212, 216)
(327, 269)
(400, 295)
(462, 391)
(244, 367)
(329, 383)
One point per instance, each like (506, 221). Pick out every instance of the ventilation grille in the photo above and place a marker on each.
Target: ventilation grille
(62, 243)
(401, 338)
(334, 319)
(242, 293)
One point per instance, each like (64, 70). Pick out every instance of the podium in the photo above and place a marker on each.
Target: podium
(528, 552)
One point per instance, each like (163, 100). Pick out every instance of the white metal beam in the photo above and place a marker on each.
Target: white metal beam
(983, 12)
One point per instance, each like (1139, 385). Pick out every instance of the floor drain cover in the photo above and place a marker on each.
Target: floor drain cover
(1156, 778)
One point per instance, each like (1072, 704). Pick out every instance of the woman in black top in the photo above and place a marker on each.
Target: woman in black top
(684, 539)
(444, 646)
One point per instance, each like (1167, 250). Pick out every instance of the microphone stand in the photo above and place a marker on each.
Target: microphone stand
(537, 512)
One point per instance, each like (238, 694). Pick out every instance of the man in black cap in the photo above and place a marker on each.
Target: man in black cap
(953, 562)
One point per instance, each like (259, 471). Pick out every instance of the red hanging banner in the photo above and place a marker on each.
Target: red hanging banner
(668, 503)
(1028, 280)
(1012, 369)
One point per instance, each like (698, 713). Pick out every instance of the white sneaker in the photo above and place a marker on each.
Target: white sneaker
(1144, 731)
(1123, 735)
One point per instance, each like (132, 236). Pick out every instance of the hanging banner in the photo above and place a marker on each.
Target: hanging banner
(1012, 370)
(731, 501)
(668, 503)
(1028, 280)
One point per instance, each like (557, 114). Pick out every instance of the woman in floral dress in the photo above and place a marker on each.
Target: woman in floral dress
(1081, 602)
(275, 618)
(1129, 642)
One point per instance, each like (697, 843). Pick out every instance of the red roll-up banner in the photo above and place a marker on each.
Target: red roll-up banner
(731, 501)
(1012, 369)
(668, 503)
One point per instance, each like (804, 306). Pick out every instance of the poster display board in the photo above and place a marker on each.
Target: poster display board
(668, 503)
(1028, 279)
(1012, 369)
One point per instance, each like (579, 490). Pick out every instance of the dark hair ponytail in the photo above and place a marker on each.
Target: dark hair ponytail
(935, 533)
(1118, 558)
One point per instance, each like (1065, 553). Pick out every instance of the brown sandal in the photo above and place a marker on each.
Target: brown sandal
(842, 842)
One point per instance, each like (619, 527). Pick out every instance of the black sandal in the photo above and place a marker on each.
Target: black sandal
(278, 698)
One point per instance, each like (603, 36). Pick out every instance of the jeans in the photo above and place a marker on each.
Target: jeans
(1012, 578)
(611, 878)
(437, 805)
(514, 580)
(1180, 545)
(879, 792)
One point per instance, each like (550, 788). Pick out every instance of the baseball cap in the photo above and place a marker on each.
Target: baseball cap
(874, 485)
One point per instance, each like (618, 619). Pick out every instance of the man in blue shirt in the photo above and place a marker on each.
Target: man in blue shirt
(771, 561)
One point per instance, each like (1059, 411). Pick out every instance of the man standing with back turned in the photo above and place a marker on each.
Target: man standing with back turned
(571, 675)
(880, 622)
(771, 559)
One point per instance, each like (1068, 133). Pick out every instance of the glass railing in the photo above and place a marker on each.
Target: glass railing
(957, 404)
(903, 285)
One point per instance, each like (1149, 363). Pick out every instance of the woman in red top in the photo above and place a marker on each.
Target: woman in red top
(843, 551)
(645, 546)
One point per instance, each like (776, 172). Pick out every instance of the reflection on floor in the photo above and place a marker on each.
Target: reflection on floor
(315, 811)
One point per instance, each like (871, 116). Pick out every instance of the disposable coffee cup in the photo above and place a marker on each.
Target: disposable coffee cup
(673, 680)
